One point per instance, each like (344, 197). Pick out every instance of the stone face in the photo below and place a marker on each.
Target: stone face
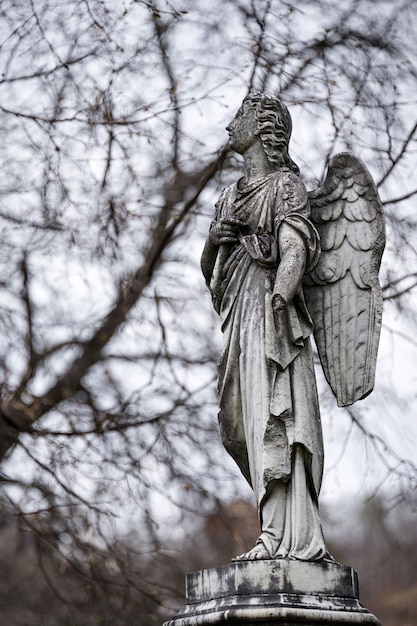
(273, 592)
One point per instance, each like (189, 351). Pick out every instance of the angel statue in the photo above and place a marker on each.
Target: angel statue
(280, 264)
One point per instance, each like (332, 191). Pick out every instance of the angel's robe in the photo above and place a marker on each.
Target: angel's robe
(269, 415)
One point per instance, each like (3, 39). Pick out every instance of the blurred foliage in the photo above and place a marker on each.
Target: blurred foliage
(43, 588)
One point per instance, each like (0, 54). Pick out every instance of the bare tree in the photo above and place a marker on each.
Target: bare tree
(112, 154)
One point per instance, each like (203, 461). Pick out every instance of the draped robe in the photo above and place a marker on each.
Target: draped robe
(269, 415)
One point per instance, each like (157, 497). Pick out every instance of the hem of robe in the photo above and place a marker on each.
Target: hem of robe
(293, 529)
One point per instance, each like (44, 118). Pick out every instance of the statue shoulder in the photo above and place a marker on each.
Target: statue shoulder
(226, 196)
(292, 196)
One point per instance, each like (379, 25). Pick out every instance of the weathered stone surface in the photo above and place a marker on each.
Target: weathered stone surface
(271, 247)
(270, 576)
(273, 592)
(280, 264)
(342, 292)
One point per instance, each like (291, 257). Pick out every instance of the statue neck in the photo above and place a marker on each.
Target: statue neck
(256, 162)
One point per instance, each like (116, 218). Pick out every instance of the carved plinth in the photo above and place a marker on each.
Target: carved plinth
(282, 592)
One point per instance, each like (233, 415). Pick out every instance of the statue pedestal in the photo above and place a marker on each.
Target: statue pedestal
(282, 592)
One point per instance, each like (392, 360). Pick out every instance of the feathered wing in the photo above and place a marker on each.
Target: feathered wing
(343, 293)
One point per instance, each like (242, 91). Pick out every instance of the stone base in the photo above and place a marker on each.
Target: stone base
(282, 592)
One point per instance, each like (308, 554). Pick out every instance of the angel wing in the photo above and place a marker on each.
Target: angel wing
(342, 293)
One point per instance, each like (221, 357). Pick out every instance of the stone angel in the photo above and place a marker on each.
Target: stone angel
(282, 264)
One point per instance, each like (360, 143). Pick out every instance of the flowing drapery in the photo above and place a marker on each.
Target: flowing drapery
(269, 415)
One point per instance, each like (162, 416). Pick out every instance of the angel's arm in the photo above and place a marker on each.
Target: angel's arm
(222, 232)
(290, 272)
(208, 259)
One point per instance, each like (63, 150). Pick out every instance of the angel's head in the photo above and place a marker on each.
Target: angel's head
(274, 127)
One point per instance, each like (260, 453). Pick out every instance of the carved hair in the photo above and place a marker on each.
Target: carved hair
(275, 126)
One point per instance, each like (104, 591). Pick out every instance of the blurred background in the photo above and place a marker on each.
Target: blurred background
(113, 480)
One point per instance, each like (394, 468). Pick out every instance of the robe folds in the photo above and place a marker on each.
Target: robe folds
(269, 415)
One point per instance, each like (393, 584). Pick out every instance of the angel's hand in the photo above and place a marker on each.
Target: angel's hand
(278, 303)
(225, 231)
